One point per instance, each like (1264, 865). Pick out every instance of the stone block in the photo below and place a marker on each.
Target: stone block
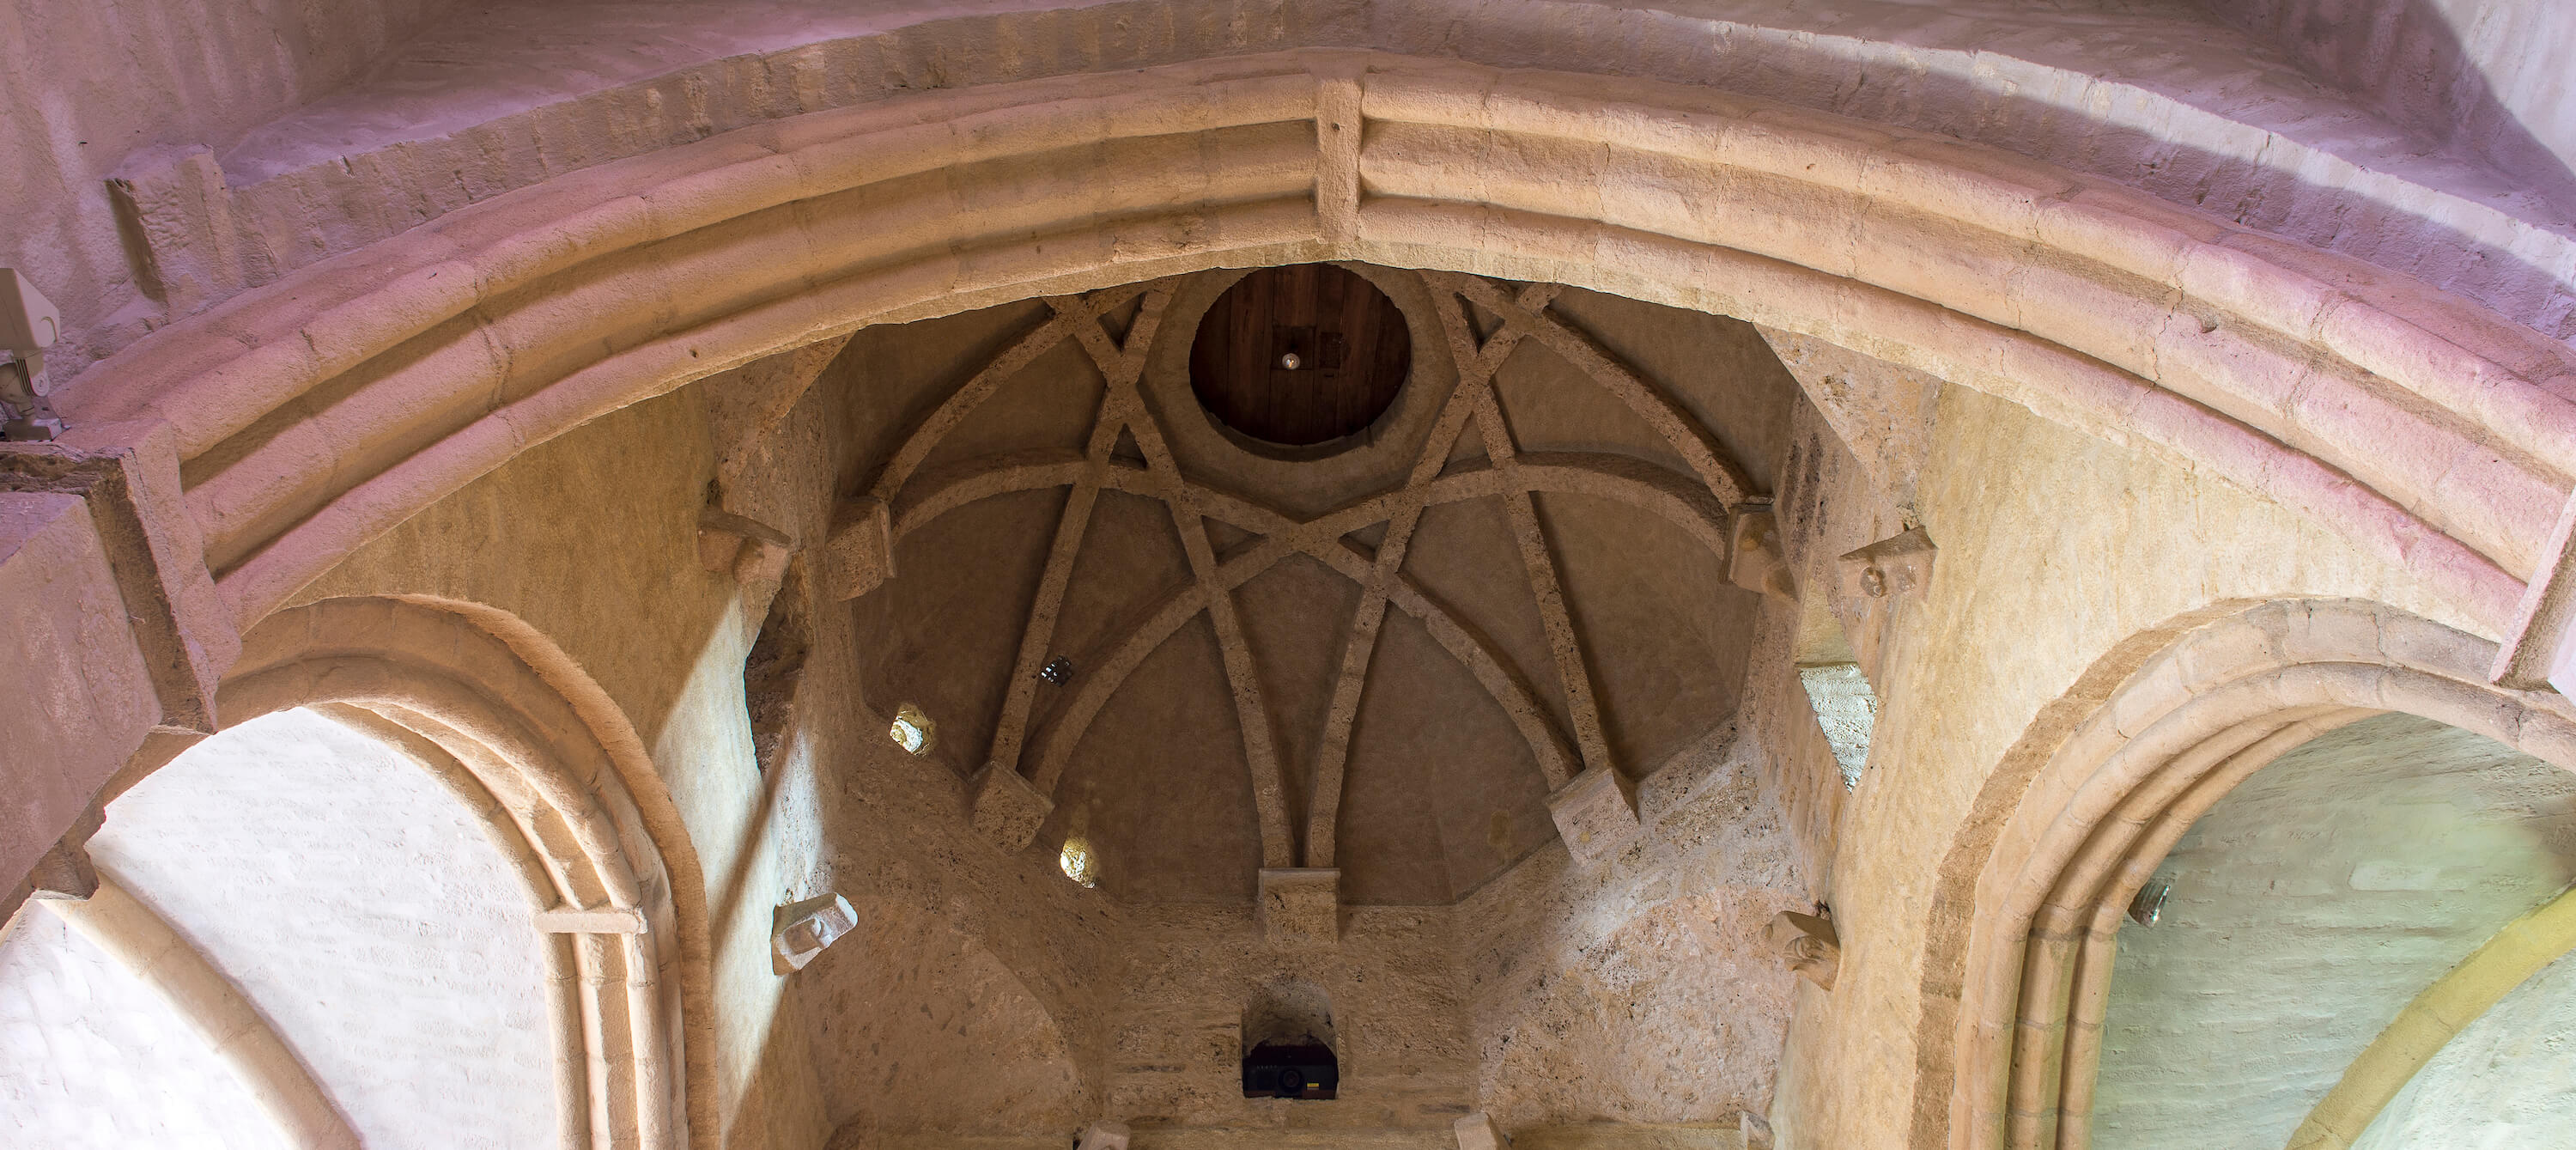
(859, 557)
(2330, 633)
(1102, 1135)
(64, 873)
(2540, 646)
(597, 920)
(1301, 906)
(84, 697)
(1596, 814)
(1005, 807)
(128, 474)
(1754, 559)
(800, 931)
(1477, 1132)
(728, 542)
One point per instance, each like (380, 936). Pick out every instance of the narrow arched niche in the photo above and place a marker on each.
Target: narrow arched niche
(1288, 1045)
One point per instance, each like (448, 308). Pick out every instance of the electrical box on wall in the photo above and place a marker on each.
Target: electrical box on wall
(1305, 1070)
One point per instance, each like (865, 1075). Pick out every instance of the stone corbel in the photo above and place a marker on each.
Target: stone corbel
(1005, 807)
(1872, 580)
(801, 930)
(1755, 560)
(1301, 906)
(859, 557)
(1102, 1135)
(754, 553)
(64, 874)
(2540, 651)
(1596, 815)
(1755, 1130)
(1477, 1132)
(1807, 944)
(741, 546)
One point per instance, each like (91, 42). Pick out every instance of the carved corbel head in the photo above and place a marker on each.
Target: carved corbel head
(1872, 581)
(1894, 567)
(1807, 944)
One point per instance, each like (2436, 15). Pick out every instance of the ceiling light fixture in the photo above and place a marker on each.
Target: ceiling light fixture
(912, 730)
(1077, 862)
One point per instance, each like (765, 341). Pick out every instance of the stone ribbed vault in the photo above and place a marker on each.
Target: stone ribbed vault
(904, 497)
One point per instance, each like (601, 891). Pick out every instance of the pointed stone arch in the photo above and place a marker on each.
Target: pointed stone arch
(507, 721)
(315, 413)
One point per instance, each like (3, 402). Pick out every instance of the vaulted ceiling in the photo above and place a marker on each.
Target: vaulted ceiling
(1417, 631)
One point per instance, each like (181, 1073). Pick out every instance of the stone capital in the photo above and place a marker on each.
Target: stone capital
(1005, 807)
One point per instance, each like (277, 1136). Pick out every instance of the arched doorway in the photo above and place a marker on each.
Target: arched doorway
(601, 870)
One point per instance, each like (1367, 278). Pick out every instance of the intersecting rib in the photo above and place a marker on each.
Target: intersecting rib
(1116, 412)
(1476, 367)
(1260, 749)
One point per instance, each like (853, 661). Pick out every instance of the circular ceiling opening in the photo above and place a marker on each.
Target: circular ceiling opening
(1300, 355)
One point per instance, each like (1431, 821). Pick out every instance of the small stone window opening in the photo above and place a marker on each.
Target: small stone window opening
(1847, 709)
(1077, 861)
(1288, 1044)
(912, 730)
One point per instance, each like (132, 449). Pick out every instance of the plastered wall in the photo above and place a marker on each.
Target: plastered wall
(90, 1056)
(2308, 907)
(362, 910)
(2507, 1080)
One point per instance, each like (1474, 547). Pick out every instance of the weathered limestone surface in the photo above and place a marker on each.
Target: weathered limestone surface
(62, 624)
(492, 97)
(1639, 990)
(2095, 342)
(1300, 907)
(1596, 814)
(1398, 1013)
